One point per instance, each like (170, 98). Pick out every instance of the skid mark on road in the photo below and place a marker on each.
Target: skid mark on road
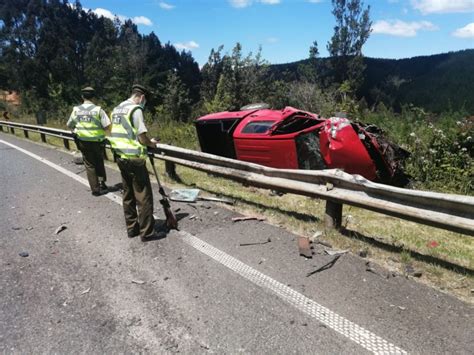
(350, 330)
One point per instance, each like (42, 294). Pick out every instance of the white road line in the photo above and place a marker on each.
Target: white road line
(350, 330)
(69, 173)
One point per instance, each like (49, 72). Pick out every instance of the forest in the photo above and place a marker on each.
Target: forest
(50, 49)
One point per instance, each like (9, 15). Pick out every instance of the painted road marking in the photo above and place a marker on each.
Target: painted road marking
(350, 330)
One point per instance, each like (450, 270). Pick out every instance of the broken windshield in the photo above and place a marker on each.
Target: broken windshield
(294, 124)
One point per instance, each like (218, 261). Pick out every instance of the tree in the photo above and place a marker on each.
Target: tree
(308, 70)
(353, 27)
(176, 102)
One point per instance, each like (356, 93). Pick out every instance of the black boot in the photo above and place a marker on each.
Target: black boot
(103, 188)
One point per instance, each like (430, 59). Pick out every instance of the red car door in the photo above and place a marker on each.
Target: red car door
(253, 143)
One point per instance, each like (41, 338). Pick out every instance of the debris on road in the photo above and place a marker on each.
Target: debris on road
(363, 253)
(16, 228)
(193, 217)
(24, 254)
(239, 219)
(138, 282)
(369, 268)
(323, 243)
(85, 291)
(60, 229)
(315, 236)
(410, 270)
(256, 243)
(325, 267)
(304, 247)
(336, 252)
(29, 228)
(77, 158)
(217, 199)
(192, 195)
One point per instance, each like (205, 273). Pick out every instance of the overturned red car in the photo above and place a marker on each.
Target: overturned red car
(295, 139)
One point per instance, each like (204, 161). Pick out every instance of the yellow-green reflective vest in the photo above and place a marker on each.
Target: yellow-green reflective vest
(88, 126)
(123, 137)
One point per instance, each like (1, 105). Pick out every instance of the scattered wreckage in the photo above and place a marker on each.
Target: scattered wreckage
(296, 139)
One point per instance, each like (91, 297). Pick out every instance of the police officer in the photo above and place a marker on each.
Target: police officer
(89, 123)
(129, 142)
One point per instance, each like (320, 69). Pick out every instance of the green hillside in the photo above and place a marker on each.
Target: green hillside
(437, 83)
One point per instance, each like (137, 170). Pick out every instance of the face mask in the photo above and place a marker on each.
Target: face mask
(143, 103)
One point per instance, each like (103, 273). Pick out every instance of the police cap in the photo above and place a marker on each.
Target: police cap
(88, 89)
(140, 89)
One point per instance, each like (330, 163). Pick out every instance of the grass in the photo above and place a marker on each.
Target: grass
(391, 242)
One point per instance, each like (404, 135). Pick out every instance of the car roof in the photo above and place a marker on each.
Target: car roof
(256, 115)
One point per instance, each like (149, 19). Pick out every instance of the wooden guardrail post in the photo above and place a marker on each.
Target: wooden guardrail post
(43, 137)
(25, 132)
(171, 169)
(66, 143)
(333, 215)
(12, 130)
(1, 128)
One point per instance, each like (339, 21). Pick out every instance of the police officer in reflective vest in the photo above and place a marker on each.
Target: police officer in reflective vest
(129, 142)
(89, 123)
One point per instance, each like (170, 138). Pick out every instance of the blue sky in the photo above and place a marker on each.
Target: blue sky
(286, 28)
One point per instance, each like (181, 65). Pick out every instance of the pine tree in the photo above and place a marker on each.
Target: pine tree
(353, 27)
(176, 103)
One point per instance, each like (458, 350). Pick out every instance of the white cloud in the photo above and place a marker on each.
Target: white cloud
(142, 20)
(465, 32)
(443, 6)
(139, 20)
(187, 45)
(166, 6)
(108, 14)
(401, 28)
(240, 4)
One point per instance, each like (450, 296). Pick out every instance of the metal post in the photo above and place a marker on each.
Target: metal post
(43, 137)
(333, 216)
(25, 132)
(12, 130)
(171, 169)
(1, 128)
(66, 143)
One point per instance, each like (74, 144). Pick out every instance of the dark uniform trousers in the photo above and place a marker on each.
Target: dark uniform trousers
(137, 195)
(93, 154)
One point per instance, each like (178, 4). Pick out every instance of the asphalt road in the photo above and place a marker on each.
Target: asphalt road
(90, 289)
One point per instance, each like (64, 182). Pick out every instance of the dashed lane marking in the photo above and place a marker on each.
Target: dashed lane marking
(350, 330)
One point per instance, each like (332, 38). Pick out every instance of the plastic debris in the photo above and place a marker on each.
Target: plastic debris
(336, 252)
(239, 219)
(60, 229)
(139, 282)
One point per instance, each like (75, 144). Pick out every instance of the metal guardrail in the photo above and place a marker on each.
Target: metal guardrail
(446, 211)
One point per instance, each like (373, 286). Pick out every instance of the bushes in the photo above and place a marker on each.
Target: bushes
(441, 147)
